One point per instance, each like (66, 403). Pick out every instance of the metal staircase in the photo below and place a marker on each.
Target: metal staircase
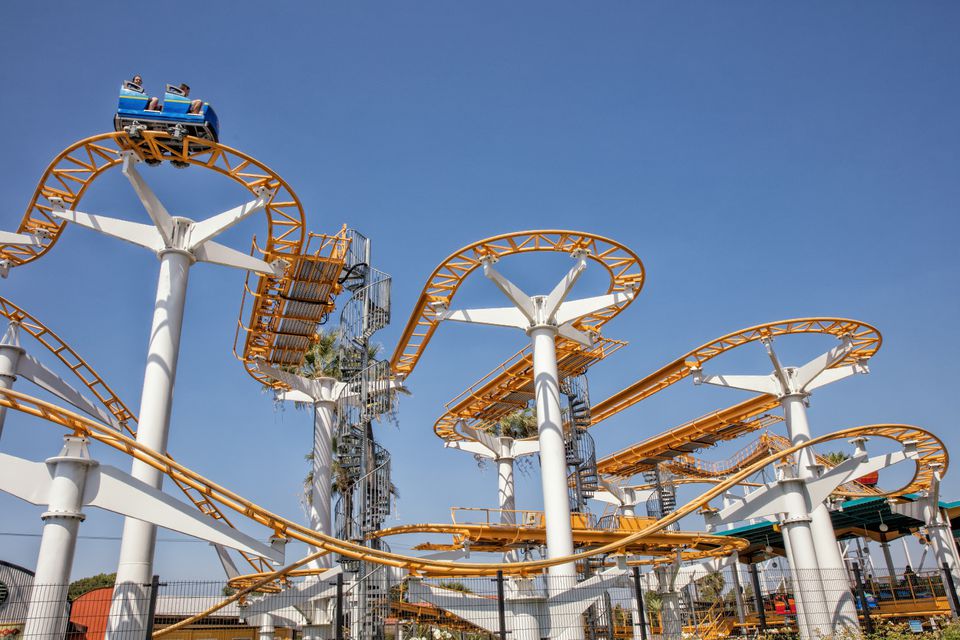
(365, 499)
(583, 481)
(663, 501)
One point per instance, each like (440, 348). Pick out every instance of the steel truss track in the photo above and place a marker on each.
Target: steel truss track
(930, 451)
(106, 395)
(302, 295)
(624, 267)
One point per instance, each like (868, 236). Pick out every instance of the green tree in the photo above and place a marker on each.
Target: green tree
(835, 457)
(83, 585)
(653, 601)
(324, 359)
(522, 423)
(454, 585)
(710, 587)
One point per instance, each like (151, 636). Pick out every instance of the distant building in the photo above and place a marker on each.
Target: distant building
(91, 611)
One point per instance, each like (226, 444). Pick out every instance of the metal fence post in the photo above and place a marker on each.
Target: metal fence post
(501, 607)
(951, 587)
(758, 597)
(640, 605)
(152, 608)
(862, 596)
(339, 618)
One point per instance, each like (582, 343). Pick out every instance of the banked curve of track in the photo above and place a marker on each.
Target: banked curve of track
(77, 167)
(930, 452)
(71, 173)
(95, 383)
(623, 265)
(866, 341)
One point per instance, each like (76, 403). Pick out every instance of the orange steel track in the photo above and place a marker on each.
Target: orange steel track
(866, 341)
(930, 452)
(509, 387)
(702, 432)
(272, 310)
(102, 391)
(623, 265)
(768, 443)
(504, 537)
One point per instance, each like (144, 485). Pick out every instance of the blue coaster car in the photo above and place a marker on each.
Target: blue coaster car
(170, 116)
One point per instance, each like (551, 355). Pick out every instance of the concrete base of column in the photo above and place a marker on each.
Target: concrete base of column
(670, 616)
(833, 572)
(319, 632)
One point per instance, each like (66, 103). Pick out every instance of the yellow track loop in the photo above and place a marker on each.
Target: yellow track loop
(929, 447)
(623, 265)
(77, 166)
(99, 388)
(866, 342)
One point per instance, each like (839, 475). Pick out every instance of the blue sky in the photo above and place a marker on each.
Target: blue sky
(766, 161)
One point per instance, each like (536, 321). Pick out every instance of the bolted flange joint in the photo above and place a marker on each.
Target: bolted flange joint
(63, 515)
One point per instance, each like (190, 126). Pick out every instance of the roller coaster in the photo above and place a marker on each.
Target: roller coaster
(295, 280)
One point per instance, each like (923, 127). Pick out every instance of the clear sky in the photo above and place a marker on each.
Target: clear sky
(766, 161)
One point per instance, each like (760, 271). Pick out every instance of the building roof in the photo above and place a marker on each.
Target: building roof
(861, 517)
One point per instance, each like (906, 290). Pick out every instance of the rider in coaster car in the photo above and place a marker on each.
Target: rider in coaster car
(136, 84)
(195, 105)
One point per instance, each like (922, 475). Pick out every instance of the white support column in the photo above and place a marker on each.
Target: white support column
(503, 451)
(138, 542)
(506, 492)
(792, 385)
(626, 499)
(553, 457)
(888, 561)
(938, 528)
(321, 519)
(738, 587)
(809, 594)
(47, 611)
(266, 630)
(10, 352)
(670, 621)
(835, 579)
(543, 318)
(178, 242)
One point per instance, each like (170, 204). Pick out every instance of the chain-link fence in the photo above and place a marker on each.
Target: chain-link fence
(615, 603)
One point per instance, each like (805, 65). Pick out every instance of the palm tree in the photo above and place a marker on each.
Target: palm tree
(835, 457)
(522, 423)
(325, 359)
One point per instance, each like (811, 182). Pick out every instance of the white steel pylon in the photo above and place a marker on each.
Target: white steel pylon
(927, 509)
(504, 451)
(543, 318)
(68, 482)
(792, 386)
(626, 499)
(322, 394)
(178, 242)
